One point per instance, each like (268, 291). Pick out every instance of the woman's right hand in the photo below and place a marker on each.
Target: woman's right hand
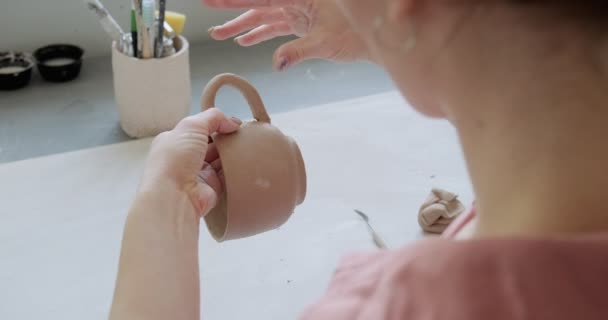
(323, 31)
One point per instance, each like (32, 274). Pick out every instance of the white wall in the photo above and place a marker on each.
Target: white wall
(29, 24)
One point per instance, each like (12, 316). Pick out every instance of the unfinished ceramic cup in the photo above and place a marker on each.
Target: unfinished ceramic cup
(265, 177)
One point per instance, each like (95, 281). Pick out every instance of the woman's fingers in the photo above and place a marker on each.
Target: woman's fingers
(212, 153)
(297, 51)
(245, 22)
(207, 190)
(209, 176)
(206, 123)
(216, 165)
(247, 4)
(219, 170)
(264, 33)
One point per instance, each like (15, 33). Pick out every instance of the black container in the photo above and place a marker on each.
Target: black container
(19, 78)
(59, 63)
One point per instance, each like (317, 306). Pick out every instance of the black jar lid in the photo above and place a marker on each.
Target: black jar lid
(15, 70)
(59, 62)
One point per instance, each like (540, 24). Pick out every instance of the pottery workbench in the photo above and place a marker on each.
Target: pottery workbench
(61, 216)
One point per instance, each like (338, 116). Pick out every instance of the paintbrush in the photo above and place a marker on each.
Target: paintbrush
(107, 21)
(141, 34)
(148, 8)
(134, 34)
(162, 6)
(375, 237)
(169, 31)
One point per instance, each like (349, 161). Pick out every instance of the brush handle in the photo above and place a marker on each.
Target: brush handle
(148, 27)
(112, 28)
(162, 5)
(134, 34)
(140, 27)
(169, 30)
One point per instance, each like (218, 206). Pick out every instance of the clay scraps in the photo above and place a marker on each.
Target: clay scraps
(439, 210)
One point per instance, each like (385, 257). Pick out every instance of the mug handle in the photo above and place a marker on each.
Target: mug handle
(249, 92)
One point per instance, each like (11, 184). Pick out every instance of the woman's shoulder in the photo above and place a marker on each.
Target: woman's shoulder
(508, 278)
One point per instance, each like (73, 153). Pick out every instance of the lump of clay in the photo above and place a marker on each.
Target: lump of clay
(439, 210)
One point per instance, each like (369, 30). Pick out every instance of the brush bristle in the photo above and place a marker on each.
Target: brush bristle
(95, 7)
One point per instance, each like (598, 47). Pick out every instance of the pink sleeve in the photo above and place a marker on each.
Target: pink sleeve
(500, 279)
(373, 285)
(356, 290)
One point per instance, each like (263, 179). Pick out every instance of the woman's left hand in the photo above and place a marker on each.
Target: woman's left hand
(323, 31)
(183, 159)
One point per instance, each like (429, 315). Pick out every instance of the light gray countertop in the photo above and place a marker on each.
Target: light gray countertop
(62, 217)
(45, 118)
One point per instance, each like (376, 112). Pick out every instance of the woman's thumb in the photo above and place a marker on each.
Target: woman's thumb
(295, 52)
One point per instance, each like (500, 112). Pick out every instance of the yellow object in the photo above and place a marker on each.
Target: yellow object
(176, 20)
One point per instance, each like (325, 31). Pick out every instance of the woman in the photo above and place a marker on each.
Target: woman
(525, 85)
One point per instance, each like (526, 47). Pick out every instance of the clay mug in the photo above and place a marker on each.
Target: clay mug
(264, 173)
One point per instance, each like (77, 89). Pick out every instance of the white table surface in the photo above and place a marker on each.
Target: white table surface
(61, 217)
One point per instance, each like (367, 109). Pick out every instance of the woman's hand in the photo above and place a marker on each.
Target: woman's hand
(183, 159)
(323, 30)
(158, 275)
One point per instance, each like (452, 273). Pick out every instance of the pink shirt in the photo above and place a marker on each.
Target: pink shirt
(440, 278)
